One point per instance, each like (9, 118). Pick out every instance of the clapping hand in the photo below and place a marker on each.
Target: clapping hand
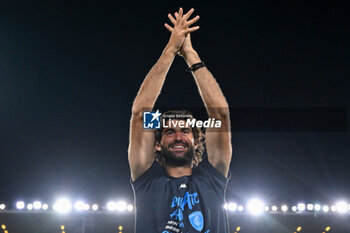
(180, 39)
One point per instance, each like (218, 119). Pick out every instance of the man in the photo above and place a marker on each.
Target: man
(175, 190)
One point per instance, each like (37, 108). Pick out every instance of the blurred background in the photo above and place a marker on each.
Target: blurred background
(69, 72)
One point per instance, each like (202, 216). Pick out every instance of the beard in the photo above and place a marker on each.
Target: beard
(173, 160)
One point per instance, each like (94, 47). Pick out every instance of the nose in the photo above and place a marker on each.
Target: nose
(178, 136)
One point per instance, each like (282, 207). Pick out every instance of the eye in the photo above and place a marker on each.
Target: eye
(169, 132)
(185, 131)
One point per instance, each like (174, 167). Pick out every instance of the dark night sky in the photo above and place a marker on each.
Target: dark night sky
(70, 71)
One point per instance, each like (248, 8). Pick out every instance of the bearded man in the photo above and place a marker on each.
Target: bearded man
(177, 188)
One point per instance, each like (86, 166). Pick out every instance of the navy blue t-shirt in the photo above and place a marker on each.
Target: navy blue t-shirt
(188, 204)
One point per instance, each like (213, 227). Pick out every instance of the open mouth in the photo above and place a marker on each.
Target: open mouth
(178, 147)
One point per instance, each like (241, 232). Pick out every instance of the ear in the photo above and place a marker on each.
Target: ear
(158, 147)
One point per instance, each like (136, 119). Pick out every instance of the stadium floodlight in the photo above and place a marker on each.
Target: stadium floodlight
(310, 207)
(240, 208)
(130, 207)
(301, 206)
(30, 206)
(317, 207)
(79, 205)
(111, 206)
(266, 208)
(232, 206)
(284, 208)
(45, 206)
(274, 208)
(333, 208)
(62, 206)
(2, 206)
(294, 208)
(20, 205)
(121, 206)
(86, 207)
(342, 207)
(255, 206)
(325, 208)
(94, 207)
(37, 205)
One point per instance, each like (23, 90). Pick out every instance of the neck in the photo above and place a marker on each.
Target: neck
(177, 172)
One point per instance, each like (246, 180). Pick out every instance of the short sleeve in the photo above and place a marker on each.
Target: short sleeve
(209, 175)
(154, 171)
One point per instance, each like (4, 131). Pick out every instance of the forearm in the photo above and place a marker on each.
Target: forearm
(152, 85)
(209, 89)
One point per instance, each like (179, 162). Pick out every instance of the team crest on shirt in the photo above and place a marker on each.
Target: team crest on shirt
(196, 220)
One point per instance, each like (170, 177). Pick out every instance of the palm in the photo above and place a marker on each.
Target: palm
(187, 45)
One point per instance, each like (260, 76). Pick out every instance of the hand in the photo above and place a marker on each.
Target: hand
(180, 39)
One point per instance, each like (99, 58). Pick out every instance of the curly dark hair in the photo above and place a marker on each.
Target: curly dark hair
(199, 137)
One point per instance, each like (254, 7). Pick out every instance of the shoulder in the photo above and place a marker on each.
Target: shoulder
(153, 172)
(207, 170)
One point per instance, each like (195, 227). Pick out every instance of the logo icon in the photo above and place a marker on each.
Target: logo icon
(151, 120)
(196, 220)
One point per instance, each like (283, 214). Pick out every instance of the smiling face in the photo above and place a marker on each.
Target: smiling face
(177, 145)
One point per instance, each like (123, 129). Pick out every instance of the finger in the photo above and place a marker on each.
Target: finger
(192, 29)
(170, 29)
(188, 14)
(176, 15)
(172, 19)
(180, 12)
(192, 21)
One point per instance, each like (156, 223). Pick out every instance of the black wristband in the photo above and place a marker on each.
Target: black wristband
(195, 66)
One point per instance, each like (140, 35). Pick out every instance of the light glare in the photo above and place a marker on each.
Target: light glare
(232, 206)
(63, 205)
(325, 208)
(20, 205)
(30, 206)
(45, 207)
(310, 207)
(342, 207)
(121, 206)
(79, 205)
(317, 207)
(333, 208)
(111, 206)
(284, 208)
(37, 205)
(301, 206)
(94, 207)
(255, 206)
(130, 207)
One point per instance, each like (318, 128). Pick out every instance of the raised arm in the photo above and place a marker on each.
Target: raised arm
(141, 142)
(218, 142)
